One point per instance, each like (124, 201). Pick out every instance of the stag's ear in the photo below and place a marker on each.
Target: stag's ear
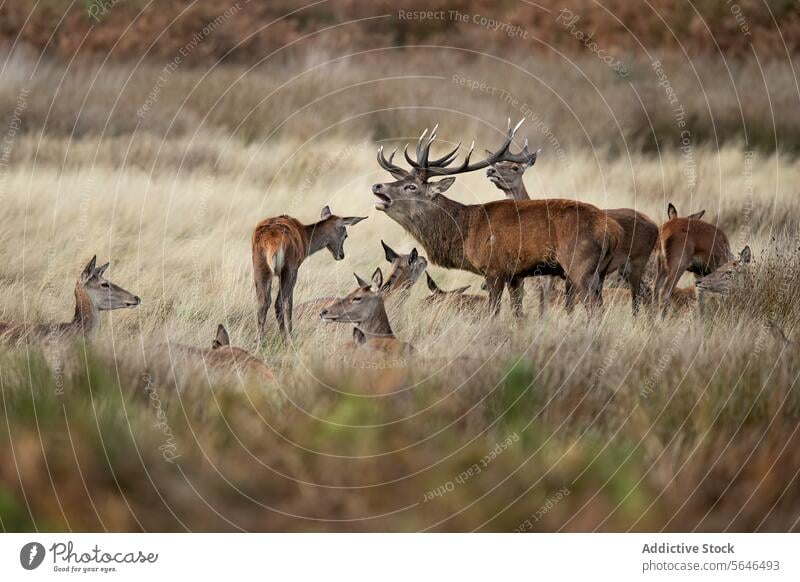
(360, 281)
(413, 256)
(442, 186)
(359, 337)
(697, 215)
(326, 213)
(460, 290)
(671, 211)
(351, 220)
(88, 270)
(389, 252)
(432, 286)
(746, 255)
(222, 338)
(377, 278)
(101, 269)
(532, 158)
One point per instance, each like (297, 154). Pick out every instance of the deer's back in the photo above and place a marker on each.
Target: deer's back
(282, 234)
(639, 233)
(706, 244)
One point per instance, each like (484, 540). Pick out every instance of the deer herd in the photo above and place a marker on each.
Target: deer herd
(504, 242)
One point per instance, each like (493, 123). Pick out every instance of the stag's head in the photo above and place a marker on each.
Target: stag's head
(507, 174)
(406, 269)
(413, 191)
(359, 305)
(725, 278)
(103, 294)
(333, 230)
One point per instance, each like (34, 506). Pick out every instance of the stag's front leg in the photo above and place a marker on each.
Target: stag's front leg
(495, 286)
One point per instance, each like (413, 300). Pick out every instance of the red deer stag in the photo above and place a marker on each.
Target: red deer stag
(504, 241)
(639, 232)
(687, 244)
(93, 294)
(364, 307)
(280, 245)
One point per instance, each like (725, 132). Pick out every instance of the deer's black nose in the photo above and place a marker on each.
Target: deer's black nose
(491, 172)
(323, 313)
(377, 187)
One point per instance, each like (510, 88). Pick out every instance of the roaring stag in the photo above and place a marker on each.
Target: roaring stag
(93, 294)
(280, 245)
(504, 241)
(639, 232)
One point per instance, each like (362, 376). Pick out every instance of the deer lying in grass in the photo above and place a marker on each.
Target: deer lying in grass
(93, 294)
(280, 245)
(455, 298)
(405, 271)
(639, 232)
(223, 356)
(687, 244)
(504, 241)
(364, 307)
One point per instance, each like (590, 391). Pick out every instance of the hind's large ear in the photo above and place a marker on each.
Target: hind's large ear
(326, 213)
(360, 281)
(377, 278)
(351, 220)
(359, 337)
(432, 286)
(88, 270)
(101, 269)
(442, 186)
(460, 290)
(672, 212)
(746, 255)
(222, 338)
(697, 215)
(389, 252)
(412, 256)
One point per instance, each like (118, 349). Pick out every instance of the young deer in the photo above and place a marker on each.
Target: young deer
(405, 270)
(639, 232)
(364, 307)
(280, 245)
(504, 241)
(224, 356)
(456, 298)
(93, 294)
(687, 244)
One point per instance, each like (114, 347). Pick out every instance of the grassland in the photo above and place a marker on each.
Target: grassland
(564, 423)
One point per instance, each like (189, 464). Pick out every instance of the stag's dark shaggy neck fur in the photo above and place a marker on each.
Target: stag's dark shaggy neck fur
(518, 193)
(441, 230)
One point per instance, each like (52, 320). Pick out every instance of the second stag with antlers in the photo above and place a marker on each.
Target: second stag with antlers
(504, 241)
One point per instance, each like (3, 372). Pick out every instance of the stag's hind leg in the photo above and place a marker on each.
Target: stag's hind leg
(495, 287)
(516, 290)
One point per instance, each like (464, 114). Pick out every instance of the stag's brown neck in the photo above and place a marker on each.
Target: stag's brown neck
(86, 314)
(518, 193)
(377, 325)
(316, 237)
(440, 230)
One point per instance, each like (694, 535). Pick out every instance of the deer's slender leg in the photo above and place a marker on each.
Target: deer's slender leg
(675, 269)
(516, 290)
(495, 285)
(287, 291)
(635, 283)
(263, 280)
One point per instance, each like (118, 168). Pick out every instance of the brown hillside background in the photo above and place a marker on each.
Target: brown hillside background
(133, 28)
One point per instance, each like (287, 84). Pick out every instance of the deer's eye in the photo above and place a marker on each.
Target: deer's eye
(515, 168)
(105, 285)
(411, 187)
(356, 299)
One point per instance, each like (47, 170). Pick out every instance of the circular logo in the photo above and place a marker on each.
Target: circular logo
(31, 555)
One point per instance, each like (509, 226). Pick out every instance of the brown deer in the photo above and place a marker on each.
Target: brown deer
(93, 294)
(280, 245)
(223, 356)
(405, 271)
(504, 241)
(455, 298)
(687, 244)
(364, 307)
(639, 232)
(724, 279)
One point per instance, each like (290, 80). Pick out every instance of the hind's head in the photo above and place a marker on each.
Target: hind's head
(103, 294)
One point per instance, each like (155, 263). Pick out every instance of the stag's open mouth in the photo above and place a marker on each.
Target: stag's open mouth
(383, 202)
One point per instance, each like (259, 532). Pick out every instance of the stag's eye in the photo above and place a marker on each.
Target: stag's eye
(105, 285)
(515, 168)
(356, 299)
(411, 187)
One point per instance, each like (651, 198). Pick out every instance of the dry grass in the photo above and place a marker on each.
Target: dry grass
(677, 424)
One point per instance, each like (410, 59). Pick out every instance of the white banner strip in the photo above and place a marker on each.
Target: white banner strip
(401, 557)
